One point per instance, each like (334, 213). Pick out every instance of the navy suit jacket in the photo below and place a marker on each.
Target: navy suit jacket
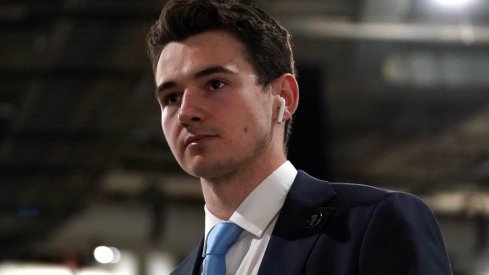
(348, 229)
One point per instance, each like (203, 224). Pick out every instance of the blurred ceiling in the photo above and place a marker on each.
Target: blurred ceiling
(404, 101)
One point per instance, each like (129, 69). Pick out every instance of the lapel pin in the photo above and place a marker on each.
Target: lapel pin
(314, 220)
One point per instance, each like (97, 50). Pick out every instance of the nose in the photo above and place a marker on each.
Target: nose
(190, 109)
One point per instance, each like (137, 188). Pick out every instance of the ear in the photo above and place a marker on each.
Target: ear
(286, 87)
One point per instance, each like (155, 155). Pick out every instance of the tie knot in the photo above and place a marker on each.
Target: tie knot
(221, 237)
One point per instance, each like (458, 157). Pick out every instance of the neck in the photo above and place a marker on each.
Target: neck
(225, 194)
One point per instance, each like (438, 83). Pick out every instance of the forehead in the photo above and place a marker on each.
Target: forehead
(213, 48)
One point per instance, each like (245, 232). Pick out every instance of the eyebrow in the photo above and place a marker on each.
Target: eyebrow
(213, 70)
(202, 73)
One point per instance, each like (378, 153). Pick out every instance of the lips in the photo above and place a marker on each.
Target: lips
(195, 139)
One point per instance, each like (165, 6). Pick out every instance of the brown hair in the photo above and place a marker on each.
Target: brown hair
(267, 44)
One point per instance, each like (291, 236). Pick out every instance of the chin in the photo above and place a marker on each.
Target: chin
(208, 167)
(198, 169)
(200, 172)
(206, 171)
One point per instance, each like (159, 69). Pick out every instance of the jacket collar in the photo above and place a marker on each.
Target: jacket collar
(302, 218)
(192, 264)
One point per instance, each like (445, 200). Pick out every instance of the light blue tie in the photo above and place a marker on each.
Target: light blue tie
(221, 237)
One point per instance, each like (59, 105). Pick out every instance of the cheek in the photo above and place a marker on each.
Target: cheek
(256, 119)
(166, 125)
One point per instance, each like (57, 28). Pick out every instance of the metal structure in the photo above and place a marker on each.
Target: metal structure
(405, 104)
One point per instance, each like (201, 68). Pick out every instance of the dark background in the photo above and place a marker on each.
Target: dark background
(394, 93)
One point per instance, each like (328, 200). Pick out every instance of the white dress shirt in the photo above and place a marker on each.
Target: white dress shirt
(257, 215)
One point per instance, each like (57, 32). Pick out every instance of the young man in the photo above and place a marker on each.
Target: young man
(225, 81)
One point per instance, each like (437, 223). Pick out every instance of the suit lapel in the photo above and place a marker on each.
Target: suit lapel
(192, 264)
(298, 227)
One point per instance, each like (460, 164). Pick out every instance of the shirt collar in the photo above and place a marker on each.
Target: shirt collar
(260, 207)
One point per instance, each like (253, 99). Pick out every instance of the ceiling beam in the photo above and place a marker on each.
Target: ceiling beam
(320, 28)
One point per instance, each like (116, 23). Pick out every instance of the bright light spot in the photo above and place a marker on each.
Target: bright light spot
(29, 269)
(92, 271)
(160, 263)
(106, 255)
(453, 3)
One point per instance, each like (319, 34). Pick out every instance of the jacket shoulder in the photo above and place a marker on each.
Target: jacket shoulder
(354, 194)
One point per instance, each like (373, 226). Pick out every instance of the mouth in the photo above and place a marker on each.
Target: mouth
(196, 139)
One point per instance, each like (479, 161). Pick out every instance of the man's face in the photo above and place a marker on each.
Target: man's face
(216, 119)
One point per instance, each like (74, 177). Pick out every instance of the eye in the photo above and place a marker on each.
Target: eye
(171, 99)
(216, 84)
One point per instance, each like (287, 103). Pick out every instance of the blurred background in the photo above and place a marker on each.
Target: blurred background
(394, 93)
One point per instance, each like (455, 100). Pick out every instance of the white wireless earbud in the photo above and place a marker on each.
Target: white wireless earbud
(281, 111)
